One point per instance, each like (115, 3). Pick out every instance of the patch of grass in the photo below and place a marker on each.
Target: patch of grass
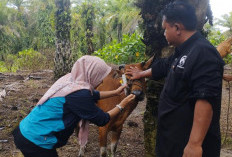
(10, 125)
(228, 142)
(32, 84)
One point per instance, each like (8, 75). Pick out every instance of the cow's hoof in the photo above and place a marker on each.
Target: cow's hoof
(81, 152)
(103, 152)
(80, 155)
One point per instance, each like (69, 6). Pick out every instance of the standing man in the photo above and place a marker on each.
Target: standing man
(190, 103)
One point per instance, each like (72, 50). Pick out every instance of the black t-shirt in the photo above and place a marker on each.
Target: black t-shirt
(193, 72)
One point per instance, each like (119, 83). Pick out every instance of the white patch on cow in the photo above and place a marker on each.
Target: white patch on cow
(102, 151)
(113, 148)
(124, 80)
(82, 151)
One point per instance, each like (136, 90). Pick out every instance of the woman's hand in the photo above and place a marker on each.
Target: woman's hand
(127, 100)
(120, 89)
(116, 92)
(116, 110)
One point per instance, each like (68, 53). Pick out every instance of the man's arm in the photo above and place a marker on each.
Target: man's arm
(158, 69)
(137, 74)
(203, 114)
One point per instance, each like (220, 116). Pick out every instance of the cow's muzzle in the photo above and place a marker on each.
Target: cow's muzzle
(139, 95)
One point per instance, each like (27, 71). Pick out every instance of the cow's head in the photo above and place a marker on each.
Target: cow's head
(136, 87)
(113, 80)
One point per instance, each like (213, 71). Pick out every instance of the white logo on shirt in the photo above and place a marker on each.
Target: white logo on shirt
(181, 62)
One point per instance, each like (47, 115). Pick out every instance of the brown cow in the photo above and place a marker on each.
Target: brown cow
(112, 82)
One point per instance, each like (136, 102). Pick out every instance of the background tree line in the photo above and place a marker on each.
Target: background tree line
(29, 27)
(28, 30)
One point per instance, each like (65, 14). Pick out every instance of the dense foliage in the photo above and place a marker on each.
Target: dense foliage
(130, 50)
(220, 32)
(28, 59)
(30, 25)
(104, 27)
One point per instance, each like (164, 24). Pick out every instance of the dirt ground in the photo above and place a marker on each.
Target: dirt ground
(24, 89)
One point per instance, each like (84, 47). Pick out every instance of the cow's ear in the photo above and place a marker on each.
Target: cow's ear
(148, 63)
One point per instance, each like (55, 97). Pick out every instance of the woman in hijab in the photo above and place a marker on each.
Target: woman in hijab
(69, 101)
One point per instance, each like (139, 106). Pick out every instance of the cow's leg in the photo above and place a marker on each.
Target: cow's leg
(82, 151)
(103, 141)
(114, 141)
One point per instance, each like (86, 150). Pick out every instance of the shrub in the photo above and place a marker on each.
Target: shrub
(3, 67)
(228, 59)
(10, 62)
(31, 60)
(130, 50)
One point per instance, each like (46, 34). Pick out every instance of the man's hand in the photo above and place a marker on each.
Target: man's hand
(192, 151)
(134, 72)
(203, 114)
(227, 77)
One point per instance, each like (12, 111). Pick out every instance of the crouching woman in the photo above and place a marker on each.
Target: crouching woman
(70, 100)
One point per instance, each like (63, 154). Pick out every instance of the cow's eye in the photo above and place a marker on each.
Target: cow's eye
(143, 63)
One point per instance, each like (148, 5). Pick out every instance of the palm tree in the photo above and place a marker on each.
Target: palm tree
(88, 15)
(63, 57)
(108, 21)
(122, 18)
(12, 27)
(226, 22)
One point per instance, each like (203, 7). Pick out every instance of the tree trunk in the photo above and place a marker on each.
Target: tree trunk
(63, 57)
(155, 42)
(102, 34)
(119, 32)
(88, 14)
(156, 46)
(203, 12)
